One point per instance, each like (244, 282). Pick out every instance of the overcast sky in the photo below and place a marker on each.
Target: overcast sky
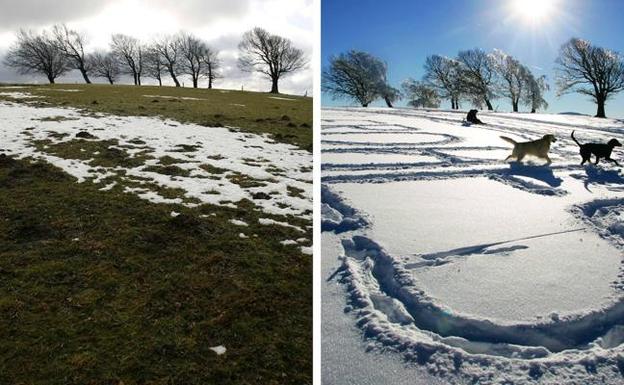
(220, 22)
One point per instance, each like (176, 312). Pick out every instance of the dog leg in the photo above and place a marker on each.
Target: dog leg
(509, 157)
(614, 161)
(548, 161)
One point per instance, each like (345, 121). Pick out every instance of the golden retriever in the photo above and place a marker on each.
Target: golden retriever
(537, 148)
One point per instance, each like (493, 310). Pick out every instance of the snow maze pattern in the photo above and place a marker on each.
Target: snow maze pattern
(389, 304)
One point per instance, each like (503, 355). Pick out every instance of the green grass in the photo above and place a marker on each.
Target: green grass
(106, 288)
(287, 121)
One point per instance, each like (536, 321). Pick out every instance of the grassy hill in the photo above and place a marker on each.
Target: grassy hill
(286, 118)
(99, 286)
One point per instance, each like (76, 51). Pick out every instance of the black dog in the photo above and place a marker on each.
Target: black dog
(472, 117)
(599, 149)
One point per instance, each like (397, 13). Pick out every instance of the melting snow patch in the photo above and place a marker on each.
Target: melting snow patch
(268, 221)
(278, 98)
(238, 222)
(173, 97)
(207, 180)
(219, 349)
(19, 95)
(288, 242)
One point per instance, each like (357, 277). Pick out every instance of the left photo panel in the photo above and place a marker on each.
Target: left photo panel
(156, 191)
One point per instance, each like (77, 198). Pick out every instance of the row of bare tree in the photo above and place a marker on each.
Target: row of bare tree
(56, 52)
(474, 76)
(480, 77)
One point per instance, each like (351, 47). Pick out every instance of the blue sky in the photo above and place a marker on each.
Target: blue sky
(403, 33)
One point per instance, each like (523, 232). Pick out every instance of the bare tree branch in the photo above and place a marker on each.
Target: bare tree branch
(589, 70)
(271, 55)
(105, 65)
(130, 53)
(71, 44)
(36, 54)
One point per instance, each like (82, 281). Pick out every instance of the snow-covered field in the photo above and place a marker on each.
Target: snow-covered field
(456, 267)
(215, 165)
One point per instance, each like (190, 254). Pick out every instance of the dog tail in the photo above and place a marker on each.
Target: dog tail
(508, 140)
(574, 139)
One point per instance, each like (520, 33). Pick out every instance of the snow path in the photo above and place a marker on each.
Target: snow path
(477, 269)
(210, 160)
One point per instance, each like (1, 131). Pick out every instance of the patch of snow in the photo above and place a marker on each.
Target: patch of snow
(219, 349)
(19, 95)
(270, 222)
(161, 140)
(173, 97)
(238, 222)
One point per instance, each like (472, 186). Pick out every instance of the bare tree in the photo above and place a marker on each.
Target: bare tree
(271, 55)
(443, 74)
(36, 54)
(420, 94)
(477, 74)
(193, 52)
(534, 97)
(130, 54)
(513, 76)
(169, 51)
(589, 70)
(104, 65)
(355, 75)
(153, 64)
(71, 44)
(389, 94)
(212, 66)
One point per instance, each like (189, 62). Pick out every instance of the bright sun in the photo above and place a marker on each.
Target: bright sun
(533, 11)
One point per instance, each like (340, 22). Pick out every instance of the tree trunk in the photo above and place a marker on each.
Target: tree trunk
(601, 108)
(194, 82)
(514, 105)
(159, 82)
(110, 80)
(174, 77)
(364, 104)
(51, 79)
(489, 104)
(274, 89)
(85, 76)
(532, 110)
(388, 102)
(209, 81)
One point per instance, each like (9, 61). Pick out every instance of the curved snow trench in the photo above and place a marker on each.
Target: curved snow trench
(481, 270)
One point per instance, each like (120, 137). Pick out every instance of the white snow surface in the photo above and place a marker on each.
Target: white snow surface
(467, 268)
(219, 147)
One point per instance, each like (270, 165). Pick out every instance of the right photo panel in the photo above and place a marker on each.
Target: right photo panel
(472, 193)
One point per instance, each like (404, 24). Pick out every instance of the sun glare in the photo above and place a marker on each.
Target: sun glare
(533, 11)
